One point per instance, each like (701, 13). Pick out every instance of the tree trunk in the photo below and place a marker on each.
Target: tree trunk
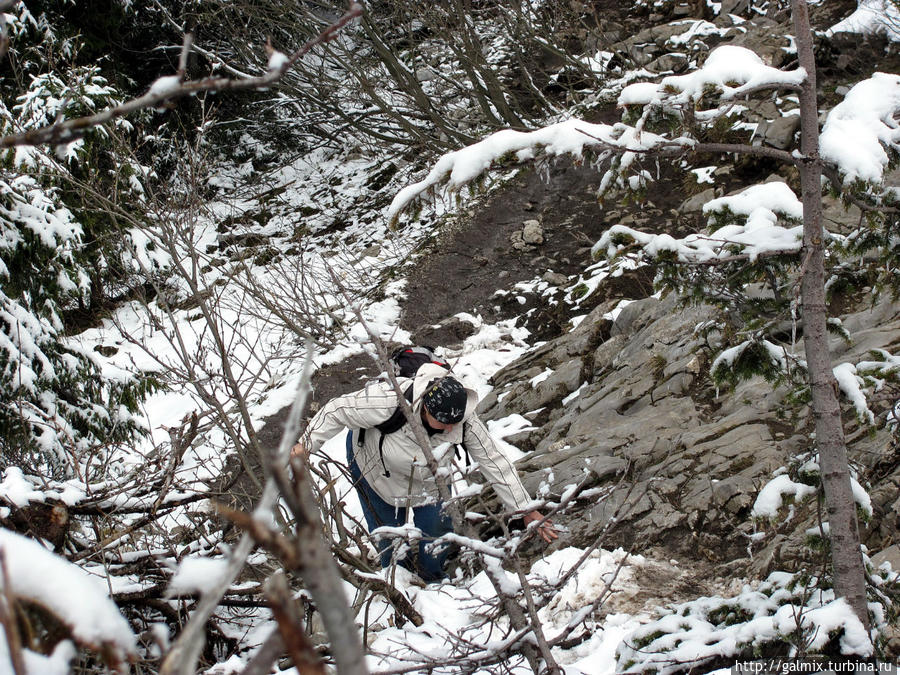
(849, 572)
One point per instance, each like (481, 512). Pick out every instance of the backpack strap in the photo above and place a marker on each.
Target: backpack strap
(461, 448)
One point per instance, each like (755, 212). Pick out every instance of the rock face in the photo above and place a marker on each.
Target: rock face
(629, 404)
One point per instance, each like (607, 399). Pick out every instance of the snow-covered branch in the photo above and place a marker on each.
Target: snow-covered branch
(571, 137)
(75, 598)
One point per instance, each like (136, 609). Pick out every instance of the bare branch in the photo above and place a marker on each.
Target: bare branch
(4, 29)
(674, 148)
(185, 53)
(743, 149)
(271, 650)
(748, 92)
(183, 656)
(290, 625)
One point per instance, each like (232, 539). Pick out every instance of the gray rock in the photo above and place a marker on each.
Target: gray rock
(690, 459)
(695, 204)
(518, 244)
(779, 133)
(734, 6)
(555, 278)
(839, 218)
(758, 36)
(532, 232)
(425, 74)
(372, 251)
(634, 316)
(890, 555)
(668, 63)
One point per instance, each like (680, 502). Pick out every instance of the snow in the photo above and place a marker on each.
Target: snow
(761, 209)
(856, 129)
(164, 86)
(850, 385)
(872, 17)
(771, 498)
(454, 610)
(765, 215)
(540, 377)
(570, 136)
(704, 174)
(725, 67)
(77, 598)
(695, 30)
(197, 574)
(277, 61)
(57, 663)
(16, 489)
(774, 197)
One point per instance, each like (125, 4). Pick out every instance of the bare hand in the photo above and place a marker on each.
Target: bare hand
(546, 530)
(298, 451)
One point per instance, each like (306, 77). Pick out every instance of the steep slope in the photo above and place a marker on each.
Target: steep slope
(626, 397)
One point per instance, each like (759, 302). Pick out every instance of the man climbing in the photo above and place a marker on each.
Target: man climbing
(389, 469)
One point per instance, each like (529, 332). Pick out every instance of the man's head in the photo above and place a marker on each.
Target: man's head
(445, 402)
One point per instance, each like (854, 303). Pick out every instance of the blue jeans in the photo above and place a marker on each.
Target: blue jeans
(430, 519)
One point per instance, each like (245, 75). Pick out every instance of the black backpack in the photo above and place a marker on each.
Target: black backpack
(406, 362)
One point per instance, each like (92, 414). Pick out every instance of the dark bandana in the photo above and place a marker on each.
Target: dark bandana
(446, 401)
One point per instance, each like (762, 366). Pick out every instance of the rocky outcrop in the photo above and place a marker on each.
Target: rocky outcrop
(629, 403)
(626, 400)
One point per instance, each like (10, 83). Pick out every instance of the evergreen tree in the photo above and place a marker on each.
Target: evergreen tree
(55, 402)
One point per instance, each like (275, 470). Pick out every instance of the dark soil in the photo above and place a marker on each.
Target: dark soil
(465, 267)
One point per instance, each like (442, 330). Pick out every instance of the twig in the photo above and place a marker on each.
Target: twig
(183, 656)
(831, 173)
(674, 147)
(261, 663)
(4, 29)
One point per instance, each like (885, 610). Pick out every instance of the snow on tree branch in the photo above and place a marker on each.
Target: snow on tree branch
(872, 17)
(760, 234)
(857, 130)
(735, 71)
(571, 136)
(73, 596)
(851, 385)
(693, 633)
(771, 497)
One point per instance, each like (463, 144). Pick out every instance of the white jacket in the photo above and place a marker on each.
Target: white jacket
(410, 482)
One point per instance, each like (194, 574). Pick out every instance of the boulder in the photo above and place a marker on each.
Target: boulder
(555, 278)
(695, 203)
(778, 133)
(532, 232)
(629, 405)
